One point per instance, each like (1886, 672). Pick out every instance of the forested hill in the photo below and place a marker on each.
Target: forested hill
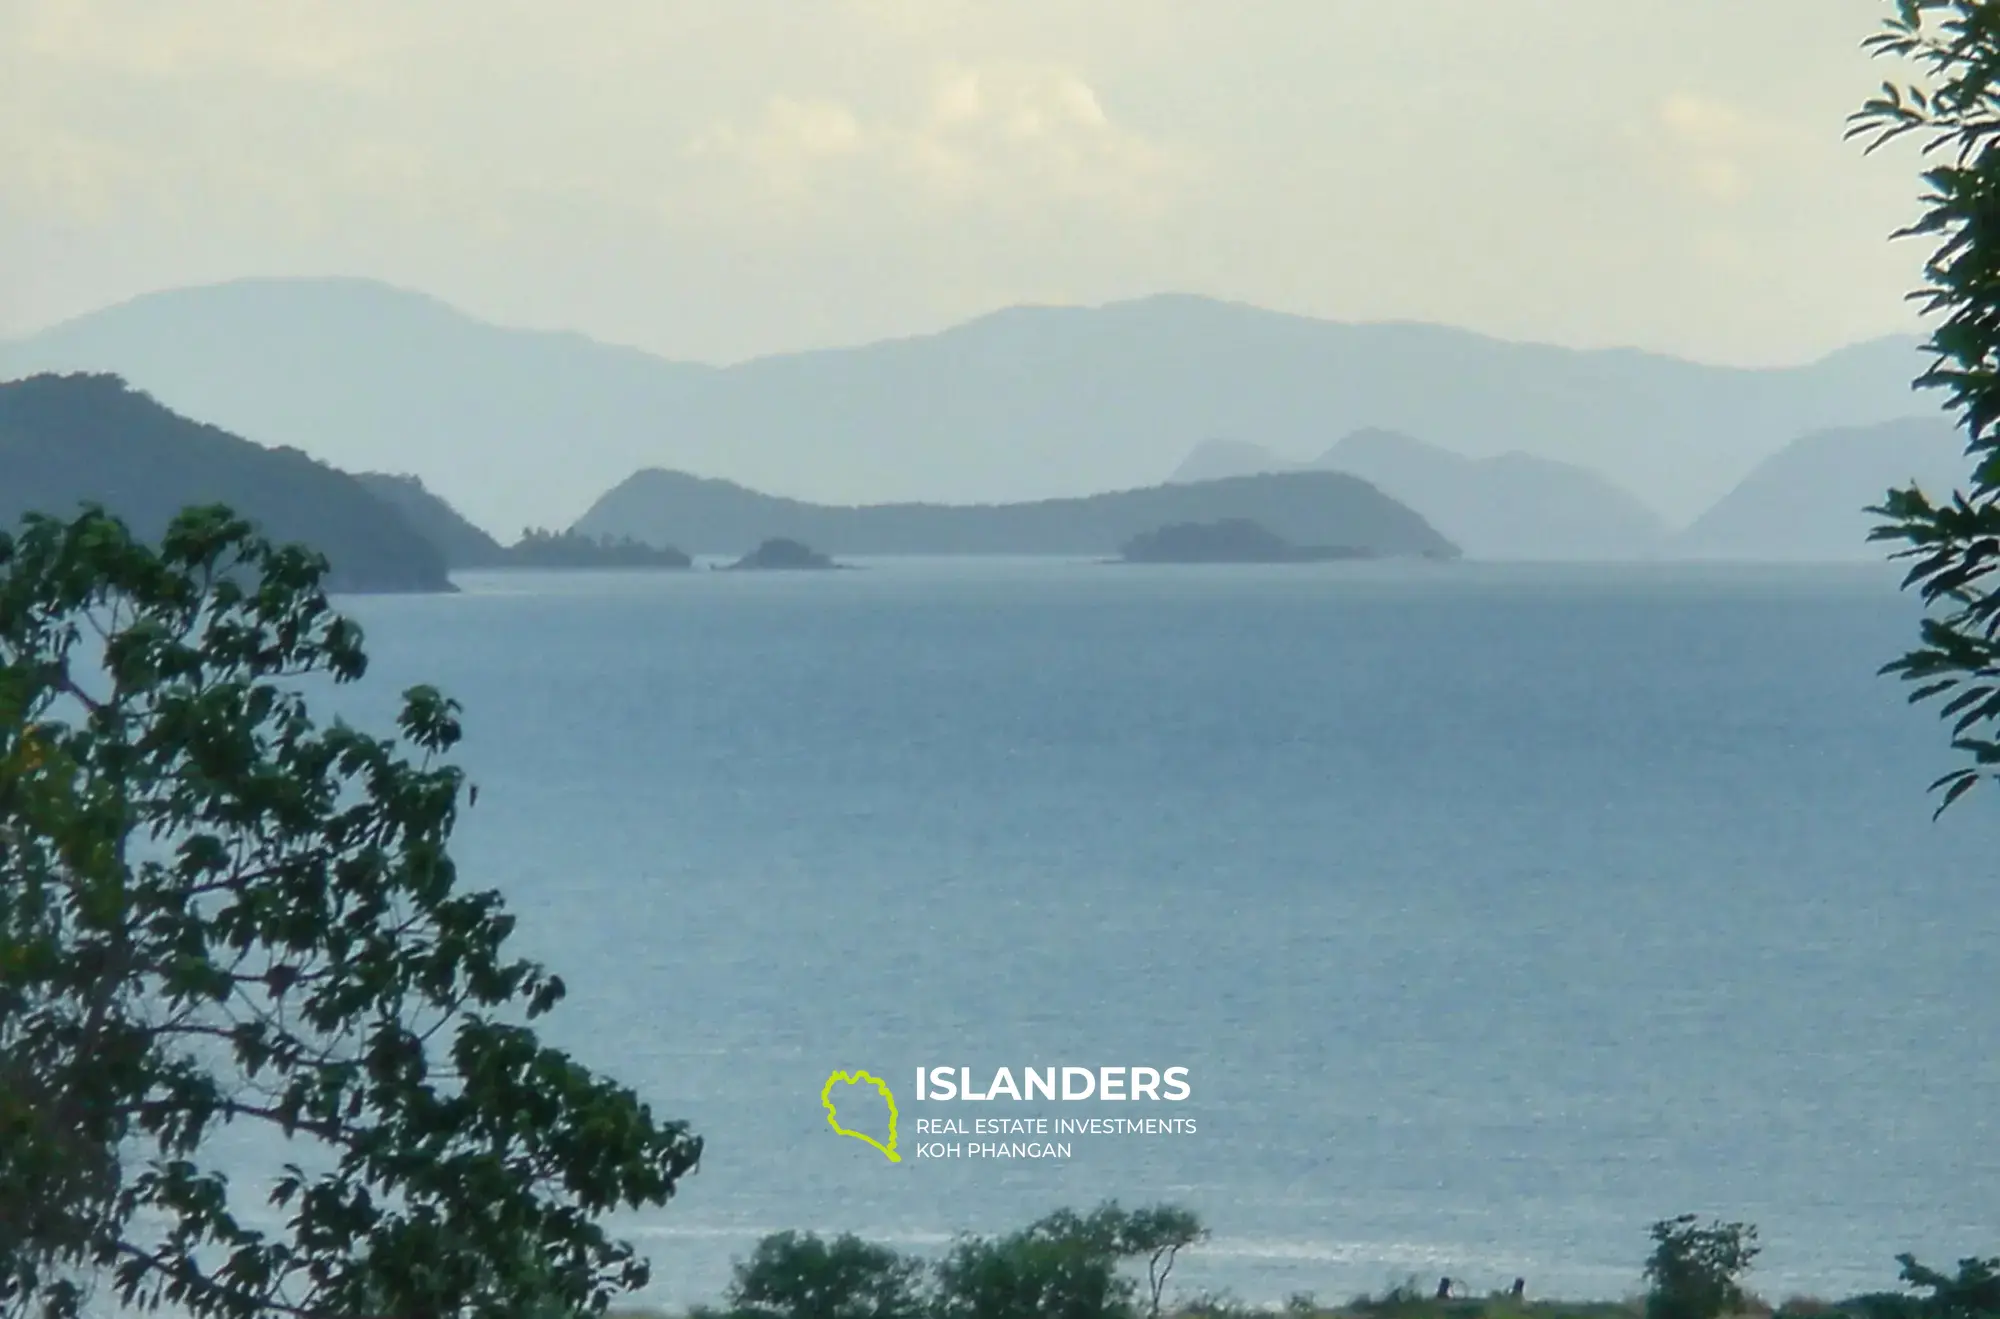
(66, 440)
(463, 544)
(719, 517)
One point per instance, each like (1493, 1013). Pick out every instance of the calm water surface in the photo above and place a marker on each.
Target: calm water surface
(1496, 911)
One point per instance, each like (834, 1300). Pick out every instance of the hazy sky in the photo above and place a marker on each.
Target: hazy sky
(720, 178)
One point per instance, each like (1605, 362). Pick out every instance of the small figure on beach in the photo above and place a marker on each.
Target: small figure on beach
(1520, 1288)
(1444, 1289)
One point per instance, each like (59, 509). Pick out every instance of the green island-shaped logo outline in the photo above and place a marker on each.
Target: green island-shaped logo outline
(833, 1115)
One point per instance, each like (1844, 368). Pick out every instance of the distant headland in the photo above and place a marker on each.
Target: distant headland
(466, 546)
(68, 440)
(706, 516)
(780, 554)
(1230, 540)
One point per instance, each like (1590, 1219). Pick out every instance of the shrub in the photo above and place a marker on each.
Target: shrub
(1973, 1293)
(1063, 1266)
(794, 1275)
(1047, 1275)
(1157, 1235)
(1404, 1295)
(1067, 1265)
(1219, 1305)
(1693, 1272)
(1807, 1307)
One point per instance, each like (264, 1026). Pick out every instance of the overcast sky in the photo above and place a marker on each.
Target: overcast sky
(716, 179)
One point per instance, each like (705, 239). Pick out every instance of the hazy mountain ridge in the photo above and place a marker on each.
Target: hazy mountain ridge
(466, 546)
(432, 517)
(1509, 506)
(1805, 503)
(1218, 459)
(710, 516)
(373, 379)
(68, 440)
(526, 427)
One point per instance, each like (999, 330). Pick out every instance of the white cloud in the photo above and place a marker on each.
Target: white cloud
(1715, 150)
(719, 177)
(1010, 135)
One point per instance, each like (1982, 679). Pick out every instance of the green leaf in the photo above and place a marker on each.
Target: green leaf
(196, 840)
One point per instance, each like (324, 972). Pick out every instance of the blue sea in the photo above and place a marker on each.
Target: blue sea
(1496, 911)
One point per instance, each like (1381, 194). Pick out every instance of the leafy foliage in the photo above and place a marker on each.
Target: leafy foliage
(1972, 1293)
(216, 911)
(1158, 1235)
(1044, 1270)
(1219, 1305)
(1407, 1294)
(1064, 1266)
(1949, 100)
(795, 1275)
(1694, 1272)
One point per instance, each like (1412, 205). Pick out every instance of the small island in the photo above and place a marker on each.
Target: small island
(782, 555)
(571, 549)
(1231, 540)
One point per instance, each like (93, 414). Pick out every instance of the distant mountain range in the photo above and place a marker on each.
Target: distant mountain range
(69, 439)
(65, 440)
(1216, 460)
(1805, 502)
(708, 516)
(466, 546)
(1512, 506)
(525, 428)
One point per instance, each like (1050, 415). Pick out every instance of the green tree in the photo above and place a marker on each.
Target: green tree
(1032, 1273)
(1066, 1265)
(1156, 1235)
(1972, 1293)
(1695, 1272)
(215, 910)
(1946, 98)
(794, 1275)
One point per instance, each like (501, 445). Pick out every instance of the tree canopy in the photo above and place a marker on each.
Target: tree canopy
(216, 910)
(1946, 96)
(1064, 1265)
